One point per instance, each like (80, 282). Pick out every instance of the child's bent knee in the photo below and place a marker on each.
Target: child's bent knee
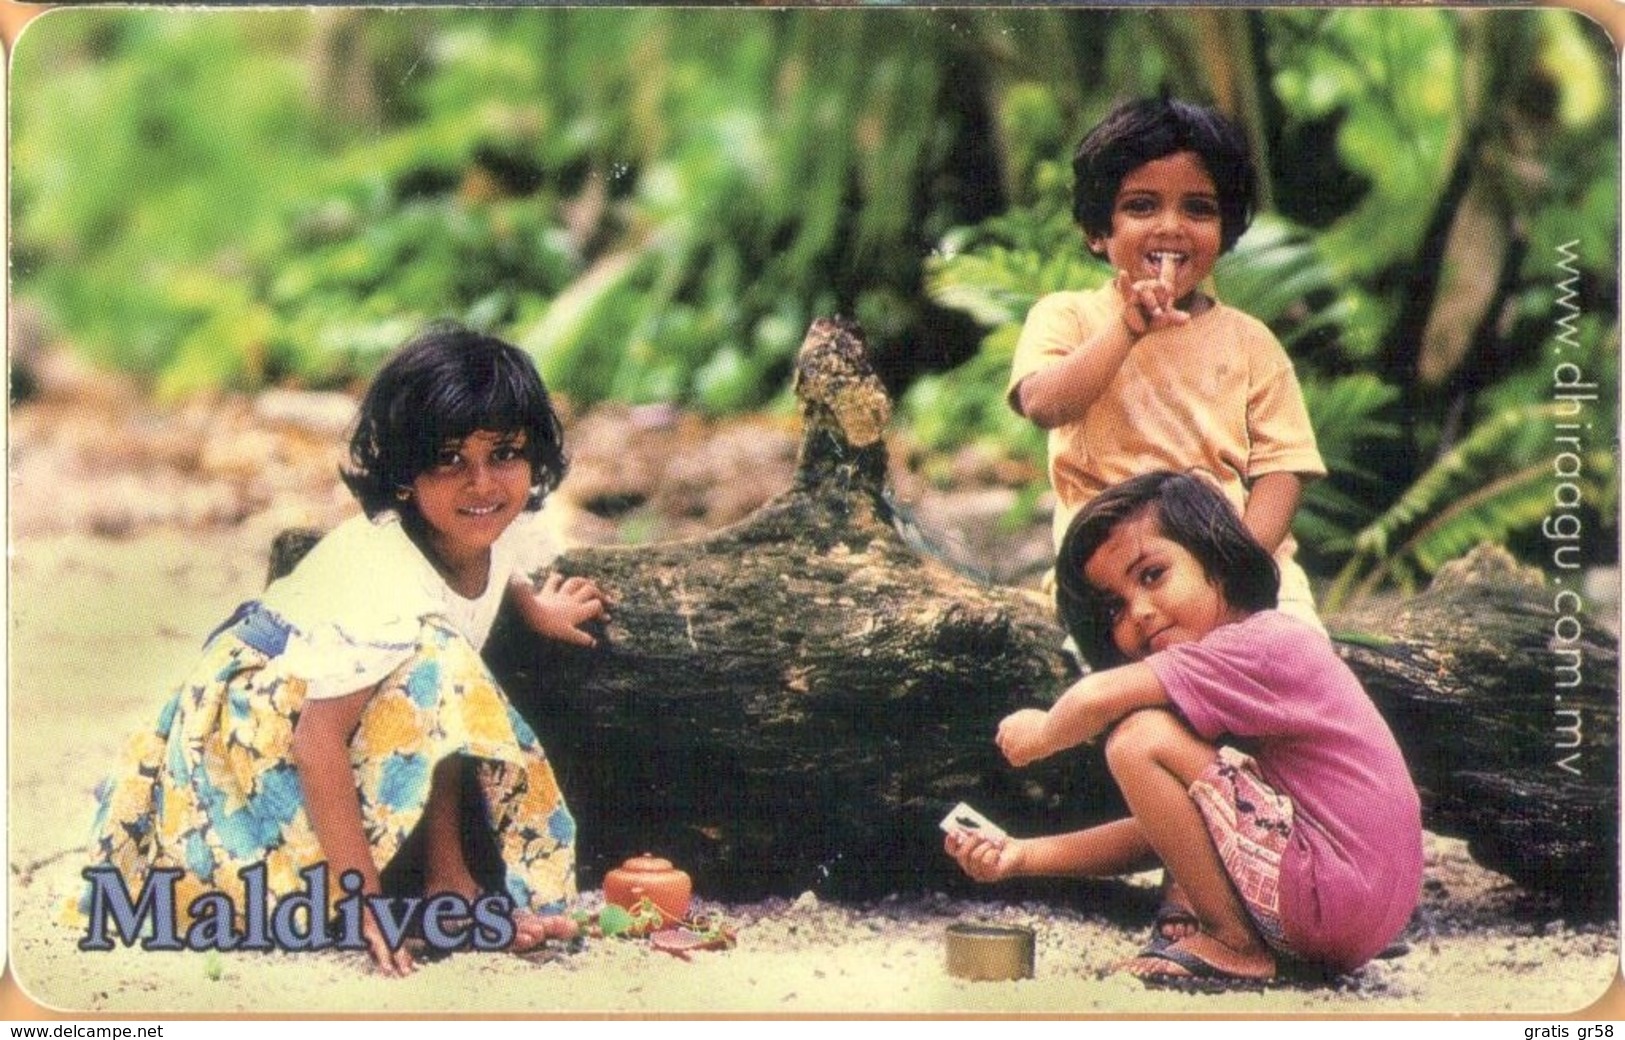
(1136, 732)
(1145, 734)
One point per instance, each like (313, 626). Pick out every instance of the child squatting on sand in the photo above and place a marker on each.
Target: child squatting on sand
(1257, 770)
(347, 708)
(1149, 371)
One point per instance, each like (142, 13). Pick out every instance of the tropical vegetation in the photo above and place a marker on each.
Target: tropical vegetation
(656, 201)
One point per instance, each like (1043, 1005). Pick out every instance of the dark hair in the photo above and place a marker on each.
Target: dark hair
(442, 385)
(1137, 132)
(1190, 512)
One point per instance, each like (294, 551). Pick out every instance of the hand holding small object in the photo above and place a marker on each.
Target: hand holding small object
(984, 857)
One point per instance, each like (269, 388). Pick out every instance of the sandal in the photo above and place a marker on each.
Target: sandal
(1173, 909)
(1186, 969)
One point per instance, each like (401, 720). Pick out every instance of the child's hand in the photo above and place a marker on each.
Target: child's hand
(1021, 737)
(394, 963)
(983, 858)
(562, 606)
(1148, 303)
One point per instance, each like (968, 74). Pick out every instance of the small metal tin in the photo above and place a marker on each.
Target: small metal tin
(990, 952)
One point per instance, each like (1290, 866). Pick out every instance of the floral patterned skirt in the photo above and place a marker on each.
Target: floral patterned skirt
(212, 788)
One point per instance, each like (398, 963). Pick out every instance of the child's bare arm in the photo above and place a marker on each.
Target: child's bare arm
(1109, 849)
(321, 752)
(1064, 392)
(1271, 504)
(560, 608)
(1082, 713)
(983, 858)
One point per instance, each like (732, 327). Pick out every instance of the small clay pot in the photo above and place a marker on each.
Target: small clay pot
(652, 878)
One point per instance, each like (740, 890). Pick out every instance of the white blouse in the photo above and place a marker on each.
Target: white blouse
(354, 605)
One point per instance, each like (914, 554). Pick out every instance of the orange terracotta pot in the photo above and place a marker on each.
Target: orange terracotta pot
(652, 878)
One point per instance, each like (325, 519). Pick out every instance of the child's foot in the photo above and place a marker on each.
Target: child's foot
(532, 930)
(1200, 958)
(1175, 919)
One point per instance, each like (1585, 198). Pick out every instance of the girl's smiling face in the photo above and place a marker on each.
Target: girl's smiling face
(1158, 592)
(468, 497)
(1167, 207)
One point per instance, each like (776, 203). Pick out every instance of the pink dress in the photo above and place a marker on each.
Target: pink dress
(1274, 688)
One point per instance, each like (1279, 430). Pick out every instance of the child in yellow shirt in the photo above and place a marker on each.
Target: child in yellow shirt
(1149, 372)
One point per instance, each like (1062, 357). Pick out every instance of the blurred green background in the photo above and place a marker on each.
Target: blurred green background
(656, 202)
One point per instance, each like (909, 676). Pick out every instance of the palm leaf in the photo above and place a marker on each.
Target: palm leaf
(1272, 272)
(1490, 487)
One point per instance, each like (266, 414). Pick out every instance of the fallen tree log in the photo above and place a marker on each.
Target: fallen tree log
(1505, 700)
(794, 701)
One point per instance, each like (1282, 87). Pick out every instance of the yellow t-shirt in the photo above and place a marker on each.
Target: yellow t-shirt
(1217, 395)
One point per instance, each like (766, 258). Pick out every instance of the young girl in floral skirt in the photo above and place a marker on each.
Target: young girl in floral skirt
(346, 708)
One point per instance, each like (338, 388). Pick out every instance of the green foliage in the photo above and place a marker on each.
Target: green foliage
(1496, 482)
(995, 272)
(1395, 82)
(211, 163)
(998, 269)
(614, 921)
(1278, 274)
(1355, 423)
(657, 201)
(948, 410)
(753, 207)
(655, 207)
(642, 919)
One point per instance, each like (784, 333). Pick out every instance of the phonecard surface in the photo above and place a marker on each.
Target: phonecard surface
(224, 220)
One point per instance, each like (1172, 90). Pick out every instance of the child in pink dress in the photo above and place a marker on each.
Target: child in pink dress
(1256, 769)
